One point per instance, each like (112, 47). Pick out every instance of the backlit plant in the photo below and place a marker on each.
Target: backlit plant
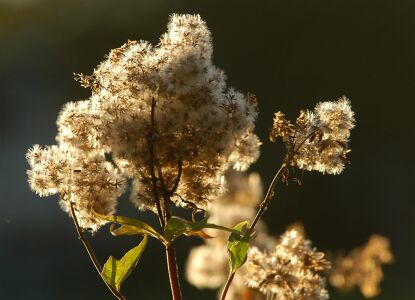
(163, 124)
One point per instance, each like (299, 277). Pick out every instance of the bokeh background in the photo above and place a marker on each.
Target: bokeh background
(290, 53)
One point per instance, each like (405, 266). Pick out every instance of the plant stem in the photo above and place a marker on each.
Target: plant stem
(173, 275)
(267, 199)
(262, 209)
(91, 254)
(163, 209)
(161, 215)
(227, 285)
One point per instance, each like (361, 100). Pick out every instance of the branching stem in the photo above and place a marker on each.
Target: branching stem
(163, 209)
(160, 212)
(267, 200)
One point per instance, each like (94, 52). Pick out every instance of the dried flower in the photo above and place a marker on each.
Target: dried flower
(88, 181)
(289, 271)
(362, 267)
(200, 126)
(165, 108)
(318, 140)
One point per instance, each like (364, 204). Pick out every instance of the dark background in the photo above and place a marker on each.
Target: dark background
(290, 53)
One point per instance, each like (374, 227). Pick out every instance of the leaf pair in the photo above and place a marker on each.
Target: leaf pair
(116, 271)
(174, 228)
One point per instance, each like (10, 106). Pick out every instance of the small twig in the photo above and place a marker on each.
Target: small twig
(270, 193)
(227, 285)
(166, 196)
(160, 213)
(262, 208)
(189, 204)
(91, 254)
(179, 175)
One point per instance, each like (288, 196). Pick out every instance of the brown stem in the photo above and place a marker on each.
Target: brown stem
(227, 285)
(179, 174)
(166, 197)
(267, 199)
(170, 253)
(91, 254)
(160, 213)
(163, 208)
(173, 274)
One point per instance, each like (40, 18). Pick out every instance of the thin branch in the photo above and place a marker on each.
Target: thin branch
(227, 285)
(267, 200)
(160, 213)
(270, 193)
(179, 175)
(163, 210)
(262, 209)
(91, 253)
(188, 204)
(166, 196)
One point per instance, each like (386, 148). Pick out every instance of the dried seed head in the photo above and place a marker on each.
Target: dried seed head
(362, 267)
(88, 181)
(318, 140)
(288, 271)
(166, 107)
(198, 121)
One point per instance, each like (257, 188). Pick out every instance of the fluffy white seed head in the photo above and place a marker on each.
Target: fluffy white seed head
(289, 271)
(88, 181)
(318, 140)
(165, 108)
(201, 127)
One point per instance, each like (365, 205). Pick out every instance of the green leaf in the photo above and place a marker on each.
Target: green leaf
(131, 226)
(238, 245)
(176, 226)
(116, 271)
(214, 226)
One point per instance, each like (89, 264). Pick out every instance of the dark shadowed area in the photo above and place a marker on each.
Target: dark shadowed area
(290, 53)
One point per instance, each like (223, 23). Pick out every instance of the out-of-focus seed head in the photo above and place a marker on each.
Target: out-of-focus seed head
(362, 267)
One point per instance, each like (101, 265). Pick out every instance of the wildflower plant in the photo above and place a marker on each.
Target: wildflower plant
(162, 123)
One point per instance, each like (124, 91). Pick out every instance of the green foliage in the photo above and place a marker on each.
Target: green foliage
(116, 271)
(130, 226)
(176, 227)
(238, 245)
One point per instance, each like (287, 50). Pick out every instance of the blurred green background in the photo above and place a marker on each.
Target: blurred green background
(290, 53)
